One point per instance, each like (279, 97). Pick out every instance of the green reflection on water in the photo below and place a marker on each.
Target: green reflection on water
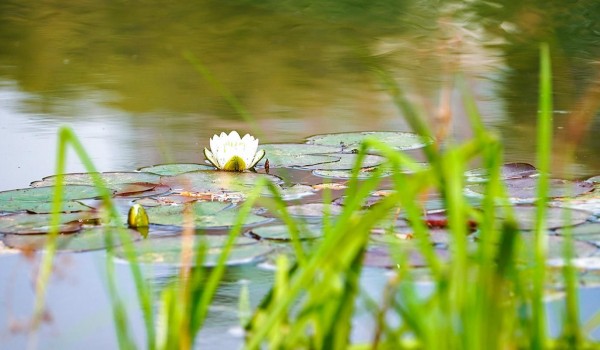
(300, 59)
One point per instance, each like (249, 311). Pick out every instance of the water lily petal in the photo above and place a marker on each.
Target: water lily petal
(211, 158)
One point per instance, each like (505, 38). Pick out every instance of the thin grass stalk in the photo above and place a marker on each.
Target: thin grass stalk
(544, 149)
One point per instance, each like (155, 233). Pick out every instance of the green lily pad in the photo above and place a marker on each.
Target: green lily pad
(42, 207)
(171, 199)
(555, 248)
(175, 169)
(556, 217)
(525, 189)
(293, 155)
(213, 181)
(109, 178)
(379, 255)
(46, 193)
(347, 174)
(168, 250)
(347, 162)
(507, 171)
(294, 192)
(589, 201)
(351, 140)
(124, 184)
(85, 240)
(314, 210)
(28, 224)
(282, 232)
(206, 215)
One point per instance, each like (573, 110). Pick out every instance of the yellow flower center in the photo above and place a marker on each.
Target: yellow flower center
(235, 164)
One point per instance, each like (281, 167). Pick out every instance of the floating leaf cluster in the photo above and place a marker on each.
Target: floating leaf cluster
(172, 198)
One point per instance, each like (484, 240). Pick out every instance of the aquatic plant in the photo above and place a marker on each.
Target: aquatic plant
(232, 153)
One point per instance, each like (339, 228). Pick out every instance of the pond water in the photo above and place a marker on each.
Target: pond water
(119, 74)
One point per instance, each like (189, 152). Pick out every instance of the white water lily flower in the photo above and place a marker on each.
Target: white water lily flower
(232, 153)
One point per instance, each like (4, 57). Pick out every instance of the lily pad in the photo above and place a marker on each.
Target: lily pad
(589, 201)
(556, 217)
(314, 210)
(175, 168)
(351, 140)
(46, 193)
(205, 215)
(526, 188)
(171, 199)
(292, 155)
(168, 250)
(282, 232)
(120, 183)
(85, 240)
(346, 162)
(28, 224)
(140, 189)
(507, 171)
(379, 256)
(212, 181)
(110, 179)
(42, 207)
(594, 179)
(555, 248)
(294, 192)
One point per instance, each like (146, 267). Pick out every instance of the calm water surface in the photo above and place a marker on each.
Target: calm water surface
(117, 73)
